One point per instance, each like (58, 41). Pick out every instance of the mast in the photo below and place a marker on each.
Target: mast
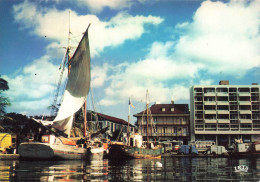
(62, 67)
(69, 46)
(147, 117)
(85, 119)
(128, 134)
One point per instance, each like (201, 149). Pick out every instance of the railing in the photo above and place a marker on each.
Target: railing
(166, 134)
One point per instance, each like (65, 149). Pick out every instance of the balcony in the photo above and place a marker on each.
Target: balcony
(210, 112)
(244, 94)
(222, 103)
(244, 103)
(210, 121)
(223, 121)
(223, 112)
(210, 103)
(222, 94)
(245, 112)
(247, 121)
(210, 94)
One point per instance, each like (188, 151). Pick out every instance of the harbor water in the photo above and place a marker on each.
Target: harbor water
(172, 169)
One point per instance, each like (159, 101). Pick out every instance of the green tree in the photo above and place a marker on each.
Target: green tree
(4, 101)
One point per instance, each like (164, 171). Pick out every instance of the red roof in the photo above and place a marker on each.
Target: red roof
(113, 119)
(168, 109)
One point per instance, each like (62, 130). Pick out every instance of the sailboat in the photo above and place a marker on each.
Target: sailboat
(54, 145)
(133, 145)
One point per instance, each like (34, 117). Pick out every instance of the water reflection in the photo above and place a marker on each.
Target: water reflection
(173, 169)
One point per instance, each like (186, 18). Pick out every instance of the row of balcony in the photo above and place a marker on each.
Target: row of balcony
(226, 94)
(227, 112)
(226, 90)
(226, 121)
(227, 129)
(166, 134)
(226, 102)
(164, 123)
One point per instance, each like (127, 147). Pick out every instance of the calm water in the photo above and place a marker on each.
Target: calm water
(173, 169)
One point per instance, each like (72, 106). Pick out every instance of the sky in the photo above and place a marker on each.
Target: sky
(163, 46)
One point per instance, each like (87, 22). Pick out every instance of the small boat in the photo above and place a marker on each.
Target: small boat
(133, 145)
(135, 149)
(59, 145)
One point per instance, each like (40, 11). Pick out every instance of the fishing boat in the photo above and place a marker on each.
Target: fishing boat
(58, 144)
(133, 145)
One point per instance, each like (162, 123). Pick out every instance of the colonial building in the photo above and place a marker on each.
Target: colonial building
(168, 122)
(116, 125)
(225, 112)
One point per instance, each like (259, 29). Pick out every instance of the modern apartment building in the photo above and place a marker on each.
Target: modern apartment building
(225, 112)
(168, 122)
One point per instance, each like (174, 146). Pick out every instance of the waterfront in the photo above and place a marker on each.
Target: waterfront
(173, 169)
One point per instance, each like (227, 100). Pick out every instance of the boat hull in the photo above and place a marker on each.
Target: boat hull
(43, 151)
(124, 151)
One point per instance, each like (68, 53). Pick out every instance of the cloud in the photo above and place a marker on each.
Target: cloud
(98, 6)
(220, 39)
(53, 25)
(153, 73)
(37, 80)
(99, 75)
(30, 87)
(217, 40)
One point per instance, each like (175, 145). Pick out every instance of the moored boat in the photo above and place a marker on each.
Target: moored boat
(136, 149)
(58, 144)
(133, 145)
(52, 147)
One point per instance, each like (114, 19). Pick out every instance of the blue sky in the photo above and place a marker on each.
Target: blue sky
(163, 46)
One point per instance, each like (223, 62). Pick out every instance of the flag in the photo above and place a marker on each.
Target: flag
(130, 103)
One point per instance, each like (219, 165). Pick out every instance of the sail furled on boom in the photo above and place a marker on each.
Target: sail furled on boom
(77, 87)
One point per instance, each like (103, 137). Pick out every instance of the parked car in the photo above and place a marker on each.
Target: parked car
(188, 149)
(167, 146)
(203, 145)
(216, 150)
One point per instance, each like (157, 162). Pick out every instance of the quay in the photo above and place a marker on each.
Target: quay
(9, 156)
(174, 154)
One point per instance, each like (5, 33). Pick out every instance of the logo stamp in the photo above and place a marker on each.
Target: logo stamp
(241, 168)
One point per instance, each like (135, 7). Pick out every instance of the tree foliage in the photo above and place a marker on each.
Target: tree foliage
(4, 101)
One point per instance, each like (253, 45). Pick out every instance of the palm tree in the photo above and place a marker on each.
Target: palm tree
(4, 101)
(3, 84)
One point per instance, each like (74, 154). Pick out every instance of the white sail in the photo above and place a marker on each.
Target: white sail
(77, 87)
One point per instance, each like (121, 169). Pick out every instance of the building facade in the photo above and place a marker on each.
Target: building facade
(169, 122)
(225, 112)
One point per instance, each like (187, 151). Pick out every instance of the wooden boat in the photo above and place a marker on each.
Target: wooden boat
(52, 147)
(55, 145)
(133, 145)
(136, 149)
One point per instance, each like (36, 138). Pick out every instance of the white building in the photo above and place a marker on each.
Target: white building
(225, 112)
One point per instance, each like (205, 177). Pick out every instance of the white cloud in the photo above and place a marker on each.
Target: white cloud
(53, 25)
(217, 41)
(32, 85)
(153, 73)
(98, 6)
(36, 81)
(223, 37)
(99, 75)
